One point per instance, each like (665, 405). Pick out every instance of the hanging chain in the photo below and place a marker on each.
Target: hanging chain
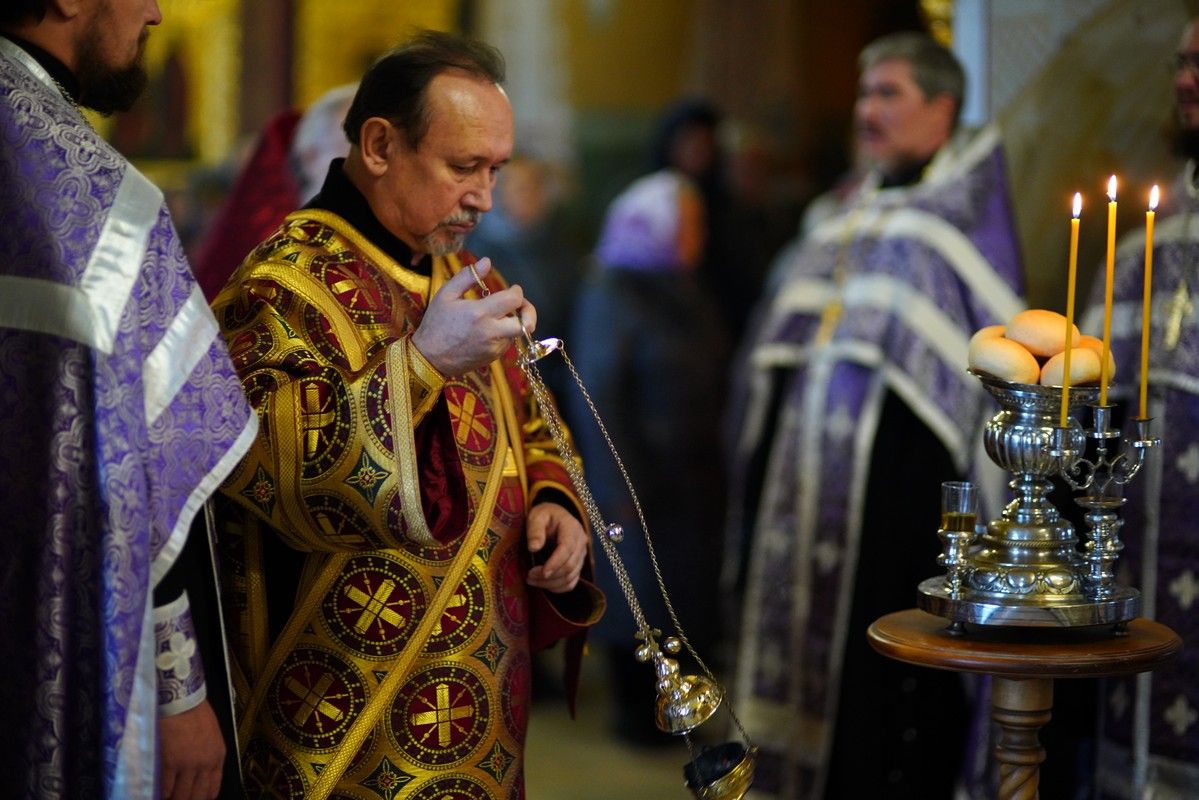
(529, 352)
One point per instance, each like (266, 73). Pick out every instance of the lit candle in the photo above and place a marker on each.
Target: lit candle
(1070, 309)
(1104, 377)
(1145, 307)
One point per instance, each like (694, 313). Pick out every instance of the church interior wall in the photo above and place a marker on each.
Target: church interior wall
(1079, 87)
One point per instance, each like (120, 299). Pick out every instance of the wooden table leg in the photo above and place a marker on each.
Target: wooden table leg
(1021, 707)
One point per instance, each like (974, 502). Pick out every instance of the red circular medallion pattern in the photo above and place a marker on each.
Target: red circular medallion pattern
(315, 697)
(456, 787)
(325, 420)
(258, 386)
(473, 423)
(356, 286)
(515, 694)
(372, 606)
(319, 333)
(376, 407)
(342, 527)
(267, 772)
(249, 346)
(510, 503)
(441, 716)
(462, 616)
(510, 593)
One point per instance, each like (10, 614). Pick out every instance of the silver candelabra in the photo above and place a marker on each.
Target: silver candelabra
(1026, 568)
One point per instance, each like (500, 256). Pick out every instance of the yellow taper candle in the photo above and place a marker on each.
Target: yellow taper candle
(1147, 303)
(1065, 418)
(1104, 377)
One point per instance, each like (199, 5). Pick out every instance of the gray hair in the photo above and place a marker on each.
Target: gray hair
(319, 138)
(935, 69)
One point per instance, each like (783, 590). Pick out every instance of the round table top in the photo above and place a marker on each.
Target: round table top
(917, 637)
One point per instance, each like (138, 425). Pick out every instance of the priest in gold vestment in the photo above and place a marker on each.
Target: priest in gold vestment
(403, 533)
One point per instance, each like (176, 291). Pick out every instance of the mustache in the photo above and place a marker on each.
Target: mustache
(469, 217)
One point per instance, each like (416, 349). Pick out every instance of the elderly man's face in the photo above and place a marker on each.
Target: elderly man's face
(1186, 79)
(108, 52)
(438, 191)
(897, 126)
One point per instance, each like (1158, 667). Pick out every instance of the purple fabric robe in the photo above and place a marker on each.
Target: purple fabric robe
(120, 414)
(915, 271)
(1149, 724)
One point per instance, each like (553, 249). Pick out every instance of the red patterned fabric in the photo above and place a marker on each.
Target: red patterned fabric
(265, 193)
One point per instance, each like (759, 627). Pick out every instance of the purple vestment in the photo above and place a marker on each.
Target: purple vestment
(120, 414)
(880, 298)
(1149, 729)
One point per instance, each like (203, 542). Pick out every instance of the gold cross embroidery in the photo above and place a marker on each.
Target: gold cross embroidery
(374, 606)
(1177, 311)
(457, 601)
(326, 526)
(348, 283)
(315, 418)
(468, 420)
(314, 699)
(266, 780)
(829, 316)
(442, 716)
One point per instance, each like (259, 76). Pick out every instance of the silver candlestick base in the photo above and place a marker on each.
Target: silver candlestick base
(1026, 569)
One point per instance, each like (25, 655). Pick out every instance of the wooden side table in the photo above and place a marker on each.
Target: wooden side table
(1023, 663)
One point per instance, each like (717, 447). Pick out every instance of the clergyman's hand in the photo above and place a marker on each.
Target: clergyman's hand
(192, 754)
(550, 522)
(459, 334)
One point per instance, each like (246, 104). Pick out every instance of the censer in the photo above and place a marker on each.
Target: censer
(684, 702)
(1026, 568)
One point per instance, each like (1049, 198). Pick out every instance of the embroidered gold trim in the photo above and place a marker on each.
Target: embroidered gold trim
(412, 281)
(429, 383)
(403, 444)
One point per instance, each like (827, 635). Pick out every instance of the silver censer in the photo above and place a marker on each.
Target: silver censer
(1027, 568)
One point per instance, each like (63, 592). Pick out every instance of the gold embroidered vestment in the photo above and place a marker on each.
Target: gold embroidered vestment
(404, 668)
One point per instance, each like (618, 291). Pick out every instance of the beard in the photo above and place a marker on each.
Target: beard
(103, 87)
(444, 240)
(1184, 142)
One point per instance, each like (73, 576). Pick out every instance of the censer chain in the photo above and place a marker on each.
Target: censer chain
(574, 470)
(549, 413)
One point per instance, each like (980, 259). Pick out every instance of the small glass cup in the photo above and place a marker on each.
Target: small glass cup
(959, 515)
(959, 506)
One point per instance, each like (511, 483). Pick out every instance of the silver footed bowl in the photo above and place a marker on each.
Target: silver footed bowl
(1019, 437)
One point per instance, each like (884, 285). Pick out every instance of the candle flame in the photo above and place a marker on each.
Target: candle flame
(1154, 195)
(1111, 188)
(1077, 205)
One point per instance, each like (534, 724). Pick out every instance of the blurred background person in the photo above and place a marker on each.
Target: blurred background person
(686, 140)
(759, 215)
(285, 170)
(649, 345)
(1148, 736)
(855, 404)
(526, 236)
